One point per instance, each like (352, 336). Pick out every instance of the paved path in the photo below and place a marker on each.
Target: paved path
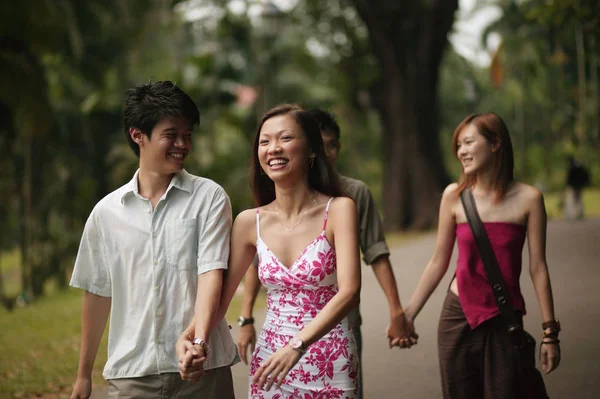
(573, 250)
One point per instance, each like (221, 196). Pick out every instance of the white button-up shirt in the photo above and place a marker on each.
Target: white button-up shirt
(149, 262)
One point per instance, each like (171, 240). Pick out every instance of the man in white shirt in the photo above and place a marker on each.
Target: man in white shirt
(152, 254)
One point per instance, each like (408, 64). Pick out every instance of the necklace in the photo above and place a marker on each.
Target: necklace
(299, 220)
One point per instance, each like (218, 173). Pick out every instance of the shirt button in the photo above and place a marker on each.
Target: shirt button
(156, 261)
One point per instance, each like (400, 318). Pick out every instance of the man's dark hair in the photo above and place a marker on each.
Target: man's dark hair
(326, 122)
(146, 105)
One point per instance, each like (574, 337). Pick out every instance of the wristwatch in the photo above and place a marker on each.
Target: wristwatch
(242, 321)
(298, 345)
(203, 344)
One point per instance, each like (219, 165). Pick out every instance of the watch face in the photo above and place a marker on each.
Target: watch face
(241, 321)
(296, 343)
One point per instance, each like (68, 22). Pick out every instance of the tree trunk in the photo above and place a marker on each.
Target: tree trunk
(594, 89)
(26, 229)
(581, 86)
(408, 38)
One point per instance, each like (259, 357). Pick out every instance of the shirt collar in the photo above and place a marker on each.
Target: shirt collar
(181, 181)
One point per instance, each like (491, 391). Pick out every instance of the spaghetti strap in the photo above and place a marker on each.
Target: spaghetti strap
(327, 213)
(257, 223)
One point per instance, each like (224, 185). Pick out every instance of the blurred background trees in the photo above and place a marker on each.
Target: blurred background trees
(385, 69)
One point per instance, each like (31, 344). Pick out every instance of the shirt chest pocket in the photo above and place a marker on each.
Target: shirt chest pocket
(182, 243)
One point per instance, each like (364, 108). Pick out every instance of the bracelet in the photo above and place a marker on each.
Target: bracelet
(550, 333)
(554, 342)
(551, 324)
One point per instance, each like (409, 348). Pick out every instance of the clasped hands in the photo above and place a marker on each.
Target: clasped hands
(191, 359)
(401, 331)
(271, 372)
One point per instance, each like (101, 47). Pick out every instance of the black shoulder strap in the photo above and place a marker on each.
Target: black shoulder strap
(492, 270)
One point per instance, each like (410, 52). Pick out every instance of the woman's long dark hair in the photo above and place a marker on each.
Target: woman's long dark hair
(321, 176)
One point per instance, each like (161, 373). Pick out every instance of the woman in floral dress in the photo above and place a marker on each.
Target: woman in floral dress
(306, 236)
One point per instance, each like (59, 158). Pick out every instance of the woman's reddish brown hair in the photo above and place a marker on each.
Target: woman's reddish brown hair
(493, 128)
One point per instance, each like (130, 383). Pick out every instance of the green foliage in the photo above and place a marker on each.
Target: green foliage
(62, 146)
(50, 364)
(538, 94)
(40, 346)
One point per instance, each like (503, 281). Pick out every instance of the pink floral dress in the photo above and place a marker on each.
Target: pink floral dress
(295, 295)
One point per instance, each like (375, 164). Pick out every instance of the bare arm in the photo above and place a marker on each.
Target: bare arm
(385, 276)
(398, 331)
(438, 265)
(243, 249)
(207, 302)
(94, 316)
(191, 358)
(251, 288)
(538, 269)
(247, 334)
(376, 253)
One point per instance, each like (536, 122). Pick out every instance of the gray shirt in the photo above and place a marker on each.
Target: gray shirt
(371, 233)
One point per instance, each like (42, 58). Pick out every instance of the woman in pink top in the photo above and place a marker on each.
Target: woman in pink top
(476, 357)
(305, 233)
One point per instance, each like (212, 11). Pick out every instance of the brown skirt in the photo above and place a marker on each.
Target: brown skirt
(477, 363)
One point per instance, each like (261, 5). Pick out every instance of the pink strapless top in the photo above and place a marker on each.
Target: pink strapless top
(475, 293)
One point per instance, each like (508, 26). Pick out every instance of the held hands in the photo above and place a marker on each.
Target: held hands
(401, 331)
(246, 340)
(276, 367)
(191, 359)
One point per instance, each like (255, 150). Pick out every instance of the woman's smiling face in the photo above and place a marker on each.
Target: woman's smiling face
(474, 151)
(283, 148)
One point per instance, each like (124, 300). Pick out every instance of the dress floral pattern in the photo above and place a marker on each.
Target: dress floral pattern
(295, 295)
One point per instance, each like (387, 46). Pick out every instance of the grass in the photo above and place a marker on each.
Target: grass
(40, 347)
(10, 266)
(398, 238)
(591, 204)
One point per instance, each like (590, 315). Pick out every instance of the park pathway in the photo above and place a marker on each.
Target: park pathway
(573, 253)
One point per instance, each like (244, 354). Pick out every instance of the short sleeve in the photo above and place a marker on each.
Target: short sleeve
(91, 271)
(213, 240)
(372, 235)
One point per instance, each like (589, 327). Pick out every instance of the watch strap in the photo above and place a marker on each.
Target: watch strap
(243, 321)
(554, 324)
(203, 344)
